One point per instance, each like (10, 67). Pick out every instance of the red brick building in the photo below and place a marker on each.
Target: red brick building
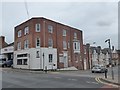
(43, 33)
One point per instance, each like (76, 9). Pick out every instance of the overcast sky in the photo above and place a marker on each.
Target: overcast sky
(97, 20)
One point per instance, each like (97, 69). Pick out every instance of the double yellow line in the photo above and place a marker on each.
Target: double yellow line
(99, 81)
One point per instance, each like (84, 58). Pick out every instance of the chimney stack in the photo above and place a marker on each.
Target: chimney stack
(2, 41)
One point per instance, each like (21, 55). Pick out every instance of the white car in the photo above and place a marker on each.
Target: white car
(100, 69)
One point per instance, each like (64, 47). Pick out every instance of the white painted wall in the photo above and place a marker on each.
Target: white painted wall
(46, 52)
(9, 49)
(33, 61)
(15, 59)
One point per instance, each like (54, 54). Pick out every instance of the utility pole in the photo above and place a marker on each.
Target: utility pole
(43, 61)
(110, 62)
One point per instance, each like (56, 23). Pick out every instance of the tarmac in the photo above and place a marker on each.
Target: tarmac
(108, 80)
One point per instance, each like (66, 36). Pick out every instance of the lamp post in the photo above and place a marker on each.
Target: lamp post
(43, 61)
(88, 54)
(110, 62)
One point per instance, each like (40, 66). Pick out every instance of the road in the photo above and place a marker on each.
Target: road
(12, 79)
(88, 73)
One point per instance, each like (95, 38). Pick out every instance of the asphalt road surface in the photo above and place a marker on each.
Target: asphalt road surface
(50, 80)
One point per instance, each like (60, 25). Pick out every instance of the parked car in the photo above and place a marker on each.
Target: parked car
(7, 63)
(99, 69)
(1, 62)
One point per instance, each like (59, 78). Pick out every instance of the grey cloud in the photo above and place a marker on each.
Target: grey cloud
(89, 17)
(104, 23)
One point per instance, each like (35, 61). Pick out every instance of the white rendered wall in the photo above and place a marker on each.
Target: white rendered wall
(15, 59)
(35, 62)
(9, 49)
(46, 52)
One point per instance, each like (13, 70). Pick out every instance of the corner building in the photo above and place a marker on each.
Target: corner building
(41, 43)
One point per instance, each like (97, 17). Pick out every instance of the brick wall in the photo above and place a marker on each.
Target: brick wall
(57, 37)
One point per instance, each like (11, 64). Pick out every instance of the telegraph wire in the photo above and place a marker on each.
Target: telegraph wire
(26, 7)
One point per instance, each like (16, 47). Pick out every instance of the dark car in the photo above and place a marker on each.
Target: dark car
(8, 63)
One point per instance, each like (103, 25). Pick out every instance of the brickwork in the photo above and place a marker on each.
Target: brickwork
(74, 59)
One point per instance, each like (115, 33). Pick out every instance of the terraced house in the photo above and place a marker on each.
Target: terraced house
(94, 55)
(6, 50)
(41, 43)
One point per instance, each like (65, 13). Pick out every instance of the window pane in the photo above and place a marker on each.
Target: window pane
(75, 35)
(64, 32)
(78, 45)
(22, 55)
(24, 61)
(26, 44)
(19, 33)
(50, 58)
(68, 44)
(19, 62)
(26, 30)
(37, 27)
(64, 45)
(37, 54)
(50, 42)
(37, 42)
(75, 46)
(18, 45)
(50, 29)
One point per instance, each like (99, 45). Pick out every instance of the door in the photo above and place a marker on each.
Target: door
(65, 59)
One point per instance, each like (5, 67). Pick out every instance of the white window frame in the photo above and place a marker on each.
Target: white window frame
(26, 44)
(64, 44)
(50, 28)
(37, 54)
(75, 35)
(68, 44)
(64, 32)
(38, 39)
(50, 42)
(50, 57)
(77, 45)
(26, 30)
(19, 33)
(37, 27)
(19, 46)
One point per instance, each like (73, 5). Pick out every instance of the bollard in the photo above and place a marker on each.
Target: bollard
(106, 73)
(45, 69)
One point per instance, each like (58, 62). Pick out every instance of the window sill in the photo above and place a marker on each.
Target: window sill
(38, 47)
(50, 47)
(76, 51)
(37, 31)
(64, 48)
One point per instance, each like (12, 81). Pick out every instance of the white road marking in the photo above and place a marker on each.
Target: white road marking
(72, 79)
(91, 82)
(10, 86)
(57, 77)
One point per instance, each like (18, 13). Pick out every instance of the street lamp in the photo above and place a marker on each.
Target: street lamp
(110, 62)
(43, 61)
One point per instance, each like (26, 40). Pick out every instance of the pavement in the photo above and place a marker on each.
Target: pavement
(115, 79)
